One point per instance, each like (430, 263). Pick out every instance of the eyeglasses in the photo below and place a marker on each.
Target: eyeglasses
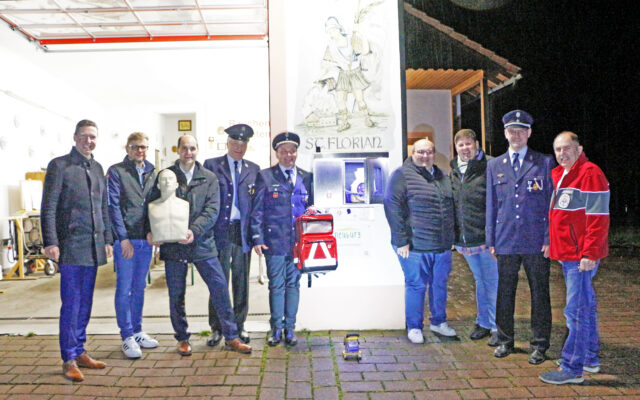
(138, 147)
(425, 152)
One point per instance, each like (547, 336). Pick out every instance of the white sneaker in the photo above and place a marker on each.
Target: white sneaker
(130, 348)
(415, 336)
(145, 341)
(444, 329)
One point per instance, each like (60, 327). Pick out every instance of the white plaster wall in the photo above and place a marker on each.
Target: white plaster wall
(43, 95)
(433, 107)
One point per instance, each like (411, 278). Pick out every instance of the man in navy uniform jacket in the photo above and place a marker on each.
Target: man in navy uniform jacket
(282, 194)
(518, 193)
(237, 178)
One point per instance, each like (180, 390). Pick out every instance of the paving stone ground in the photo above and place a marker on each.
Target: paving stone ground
(391, 368)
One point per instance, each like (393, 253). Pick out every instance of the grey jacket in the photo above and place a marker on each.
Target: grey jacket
(74, 212)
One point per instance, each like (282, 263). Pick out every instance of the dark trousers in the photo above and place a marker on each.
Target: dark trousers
(211, 272)
(236, 263)
(537, 270)
(76, 292)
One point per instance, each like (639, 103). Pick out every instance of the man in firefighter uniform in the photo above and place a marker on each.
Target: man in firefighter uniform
(237, 178)
(282, 193)
(517, 231)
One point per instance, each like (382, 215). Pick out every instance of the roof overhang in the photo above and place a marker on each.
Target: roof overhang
(440, 58)
(62, 22)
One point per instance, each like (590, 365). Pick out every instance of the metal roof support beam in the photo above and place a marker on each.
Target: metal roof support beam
(135, 14)
(125, 9)
(73, 19)
(204, 22)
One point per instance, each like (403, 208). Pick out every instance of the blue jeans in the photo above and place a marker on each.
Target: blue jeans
(131, 274)
(284, 291)
(484, 267)
(76, 292)
(583, 343)
(211, 272)
(420, 270)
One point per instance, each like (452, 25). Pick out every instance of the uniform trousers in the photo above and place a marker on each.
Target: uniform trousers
(284, 291)
(76, 292)
(235, 265)
(583, 343)
(536, 267)
(211, 272)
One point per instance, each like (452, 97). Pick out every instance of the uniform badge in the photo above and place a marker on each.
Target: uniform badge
(252, 189)
(275, 195)
(534, 184)
(500, 175)
(564, 200)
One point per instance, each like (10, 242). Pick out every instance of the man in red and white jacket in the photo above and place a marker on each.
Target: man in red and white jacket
(578, 233)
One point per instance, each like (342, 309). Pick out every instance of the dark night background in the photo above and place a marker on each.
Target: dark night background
(579, 73)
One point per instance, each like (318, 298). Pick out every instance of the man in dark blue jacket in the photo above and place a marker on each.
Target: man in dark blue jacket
(237, 178)
(130, 183)
(519, 189)
(282, 194)
(418, 204)
(200, 188)
(77, 235)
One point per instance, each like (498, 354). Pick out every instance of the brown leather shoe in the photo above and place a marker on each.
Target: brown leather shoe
(85, 360)
(184, 348)
(238, 345)
(71, 371)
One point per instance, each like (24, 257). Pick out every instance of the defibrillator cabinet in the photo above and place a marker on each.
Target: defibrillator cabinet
(315, 248)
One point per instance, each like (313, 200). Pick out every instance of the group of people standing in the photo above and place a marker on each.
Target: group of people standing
(500, 214)
(233, 207)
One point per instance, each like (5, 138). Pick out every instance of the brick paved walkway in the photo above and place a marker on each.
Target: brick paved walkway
(392, 368)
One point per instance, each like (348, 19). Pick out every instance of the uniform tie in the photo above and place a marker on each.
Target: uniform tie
(236, 176)
(289, 178)
(515, 164)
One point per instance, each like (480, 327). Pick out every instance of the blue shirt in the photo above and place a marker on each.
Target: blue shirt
(235, 212)
(293, 173)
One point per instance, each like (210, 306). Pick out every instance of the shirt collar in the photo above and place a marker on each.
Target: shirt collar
(230, 160)
(284, 170)
(521, 154)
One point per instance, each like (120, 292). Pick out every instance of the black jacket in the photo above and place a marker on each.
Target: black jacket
(419, 208)
(203, 195)
(128, 199)
(74, 212)
(469, 197)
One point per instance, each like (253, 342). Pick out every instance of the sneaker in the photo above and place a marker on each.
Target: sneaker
(593, 369)
(275, 337)
(559, 377)
(130, 348)
(145, 341)
(443, 329)
(290, 337)
(493, 340)
(215, 338)
(415, 336)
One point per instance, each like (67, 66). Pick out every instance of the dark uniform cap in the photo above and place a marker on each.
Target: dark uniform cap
(517, 118)
(240, 132)
(286, 137)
